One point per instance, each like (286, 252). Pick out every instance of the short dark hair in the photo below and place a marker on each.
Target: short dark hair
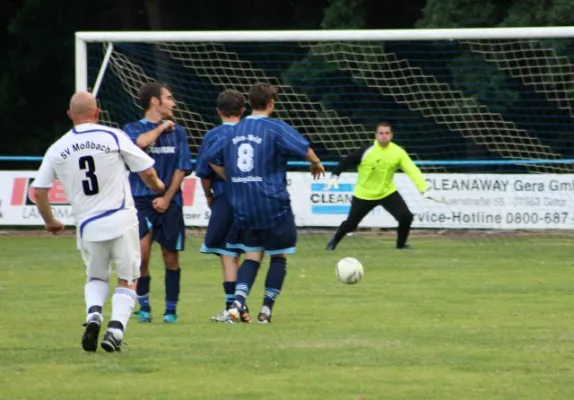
(148, 91)
(260, 95)
(230, 103)
(385, 124)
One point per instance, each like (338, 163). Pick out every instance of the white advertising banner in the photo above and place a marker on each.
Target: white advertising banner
(470, 201)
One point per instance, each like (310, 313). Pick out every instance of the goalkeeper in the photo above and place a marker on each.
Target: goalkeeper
(377, 163)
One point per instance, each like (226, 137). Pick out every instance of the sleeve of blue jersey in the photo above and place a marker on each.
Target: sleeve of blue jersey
(292, 142)
(132, 133)
(214, 154)
(184, 156)
(202, 168)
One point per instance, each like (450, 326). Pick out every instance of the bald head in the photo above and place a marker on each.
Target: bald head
(83, 108)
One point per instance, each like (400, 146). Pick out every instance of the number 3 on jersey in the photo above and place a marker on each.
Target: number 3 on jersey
(245, 153)
(89, 185)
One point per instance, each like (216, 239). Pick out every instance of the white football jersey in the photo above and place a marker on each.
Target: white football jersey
(90, 161)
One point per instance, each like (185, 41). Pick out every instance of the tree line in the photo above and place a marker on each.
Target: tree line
(37, 70)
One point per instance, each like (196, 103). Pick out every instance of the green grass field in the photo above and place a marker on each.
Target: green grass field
(471, 319)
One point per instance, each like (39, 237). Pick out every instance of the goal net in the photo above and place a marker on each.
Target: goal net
(487, 114)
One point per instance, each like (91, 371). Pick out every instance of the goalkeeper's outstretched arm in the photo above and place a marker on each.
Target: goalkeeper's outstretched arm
(413, 172)
(352, 160)
(416, 176)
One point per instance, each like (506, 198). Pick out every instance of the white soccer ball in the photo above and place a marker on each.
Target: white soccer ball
(349, 270)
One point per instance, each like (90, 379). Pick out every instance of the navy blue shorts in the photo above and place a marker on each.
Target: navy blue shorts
(220, 223)
(281, 239)
(167, 229)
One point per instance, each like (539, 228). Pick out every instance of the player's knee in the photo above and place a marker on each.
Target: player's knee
(170, 259)
(405, 217)
(230, 262)
(145, 257)
(146, 242)
(129, 284)
(279, 258)
(256, 256)
(230, 266)
(101, 277)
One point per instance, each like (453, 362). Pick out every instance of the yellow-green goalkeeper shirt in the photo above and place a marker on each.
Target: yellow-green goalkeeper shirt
(376, 167)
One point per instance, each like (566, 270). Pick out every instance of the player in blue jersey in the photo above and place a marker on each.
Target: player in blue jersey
(253, 161)
(230, 108)
(160, 218)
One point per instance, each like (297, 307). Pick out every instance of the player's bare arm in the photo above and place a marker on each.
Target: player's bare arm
(218, 170)
(206, 185)
(147, 139)
(150, 178)
(317, 169)
(161, 204)
(52, 224)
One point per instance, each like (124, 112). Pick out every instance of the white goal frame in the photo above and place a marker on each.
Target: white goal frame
(83, 38)
(546, 216)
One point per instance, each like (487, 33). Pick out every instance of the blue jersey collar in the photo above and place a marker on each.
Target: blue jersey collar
(145, 121)
(256, 117)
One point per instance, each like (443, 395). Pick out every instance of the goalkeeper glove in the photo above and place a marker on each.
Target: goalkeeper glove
(430, 195)
(332, 183)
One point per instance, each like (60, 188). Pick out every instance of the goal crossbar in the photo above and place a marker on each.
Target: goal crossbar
(329, 35)
(83, 38)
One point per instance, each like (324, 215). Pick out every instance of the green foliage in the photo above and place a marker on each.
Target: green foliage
(539, 13)
(497, 13)
(542, 13)
(478, 79)
(323, 64)
(37, 76)
(344, 14)
(461, 13)
(37, 72)
(309, 73)
(32, 79)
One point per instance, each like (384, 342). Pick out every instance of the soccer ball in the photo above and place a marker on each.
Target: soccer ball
(349, 270)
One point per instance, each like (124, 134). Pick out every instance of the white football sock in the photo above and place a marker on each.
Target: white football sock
(118, 333)
(265, 310)
(123, 302)
(90, 315)
(95, 293)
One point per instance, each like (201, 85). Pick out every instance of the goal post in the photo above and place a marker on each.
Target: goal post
(487, 113)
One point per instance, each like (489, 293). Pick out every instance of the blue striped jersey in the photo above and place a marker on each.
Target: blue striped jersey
(255, 158)
(202, 168)
(170, 152)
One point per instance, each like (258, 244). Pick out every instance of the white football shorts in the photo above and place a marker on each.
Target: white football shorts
(124, 252)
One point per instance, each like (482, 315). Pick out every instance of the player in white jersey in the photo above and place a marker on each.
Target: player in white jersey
(90, 161)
